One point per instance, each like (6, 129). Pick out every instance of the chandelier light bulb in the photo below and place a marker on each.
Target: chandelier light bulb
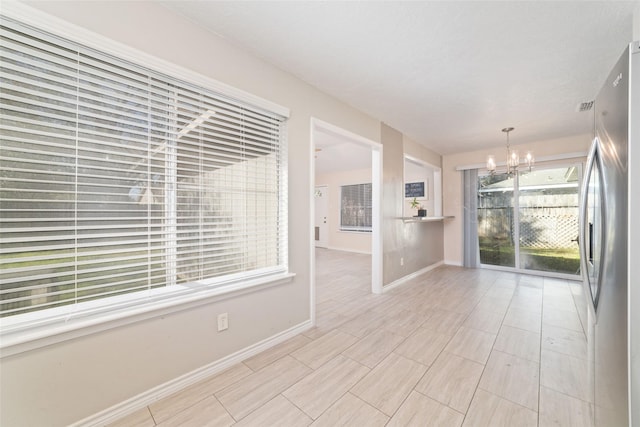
(514, 159)
(491, 163)
(529, 160)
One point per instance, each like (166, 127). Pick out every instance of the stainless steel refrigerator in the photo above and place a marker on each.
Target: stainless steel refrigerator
(609, 236)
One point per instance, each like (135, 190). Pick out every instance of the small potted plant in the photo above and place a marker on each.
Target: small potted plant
(415, 204)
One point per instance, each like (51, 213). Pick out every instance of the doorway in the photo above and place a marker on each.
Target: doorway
(529, 221)
(373, 155)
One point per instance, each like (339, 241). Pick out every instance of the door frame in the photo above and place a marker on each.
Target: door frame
(317, 126)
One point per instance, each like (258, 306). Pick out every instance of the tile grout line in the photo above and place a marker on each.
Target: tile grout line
(299, 408)
(151, 414)
(226, 409)
(484, 365)
(513, 355)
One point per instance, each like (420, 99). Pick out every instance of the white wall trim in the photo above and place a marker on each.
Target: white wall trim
(312, 223)
(21, 12)
(565, 156)
(317, 125)
(404, 279)
(148, 397)
(421, 162)
(453, 263)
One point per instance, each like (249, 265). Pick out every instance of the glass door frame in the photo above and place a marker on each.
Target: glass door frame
(580, 166)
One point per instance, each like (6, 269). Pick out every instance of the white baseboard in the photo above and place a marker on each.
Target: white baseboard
(408, 277)
(453, 263)
(148, 397)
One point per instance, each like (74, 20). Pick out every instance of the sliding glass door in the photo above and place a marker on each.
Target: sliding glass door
(496, 220)
(529, 220)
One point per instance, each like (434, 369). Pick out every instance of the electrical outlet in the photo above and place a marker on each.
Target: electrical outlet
(401, 261)
(223, 321)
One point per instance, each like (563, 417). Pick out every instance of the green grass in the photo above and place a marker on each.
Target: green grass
(553, 260)
(61, 293)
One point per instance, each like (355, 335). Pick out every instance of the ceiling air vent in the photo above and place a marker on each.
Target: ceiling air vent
(584, 106)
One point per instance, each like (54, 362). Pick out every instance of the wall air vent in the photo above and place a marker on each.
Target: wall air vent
(584, 106)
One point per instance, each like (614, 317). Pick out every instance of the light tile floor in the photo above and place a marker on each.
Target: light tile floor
(452, 347)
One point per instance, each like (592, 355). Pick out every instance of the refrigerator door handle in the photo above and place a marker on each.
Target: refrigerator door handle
(591, 238)
(583, 241)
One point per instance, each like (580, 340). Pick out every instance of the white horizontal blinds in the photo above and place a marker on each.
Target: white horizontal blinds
(117, 179)
(119, 209)
(228, 188)
(356, 207)
(37, 167)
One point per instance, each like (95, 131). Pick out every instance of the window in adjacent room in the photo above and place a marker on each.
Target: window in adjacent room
(355, 207)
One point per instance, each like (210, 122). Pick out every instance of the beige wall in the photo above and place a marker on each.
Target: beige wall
(407, 247)
(636, 23)
(65, 382)
(452, 182)
(344, 240)
(414, 149)
(392, 200)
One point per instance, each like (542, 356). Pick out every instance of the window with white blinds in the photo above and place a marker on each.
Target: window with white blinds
(117, 179)
(355, 207)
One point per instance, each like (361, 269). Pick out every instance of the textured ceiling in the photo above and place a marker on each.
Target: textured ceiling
(449, 75)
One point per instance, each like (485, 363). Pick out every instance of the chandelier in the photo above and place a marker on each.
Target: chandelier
(513, 159)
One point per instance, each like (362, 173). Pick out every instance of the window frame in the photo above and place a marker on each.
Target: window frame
(357, 228)
(35, 329)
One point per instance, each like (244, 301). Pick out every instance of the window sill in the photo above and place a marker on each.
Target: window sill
(42, 328)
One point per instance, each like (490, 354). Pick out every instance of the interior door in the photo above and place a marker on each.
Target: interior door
(321, 231)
